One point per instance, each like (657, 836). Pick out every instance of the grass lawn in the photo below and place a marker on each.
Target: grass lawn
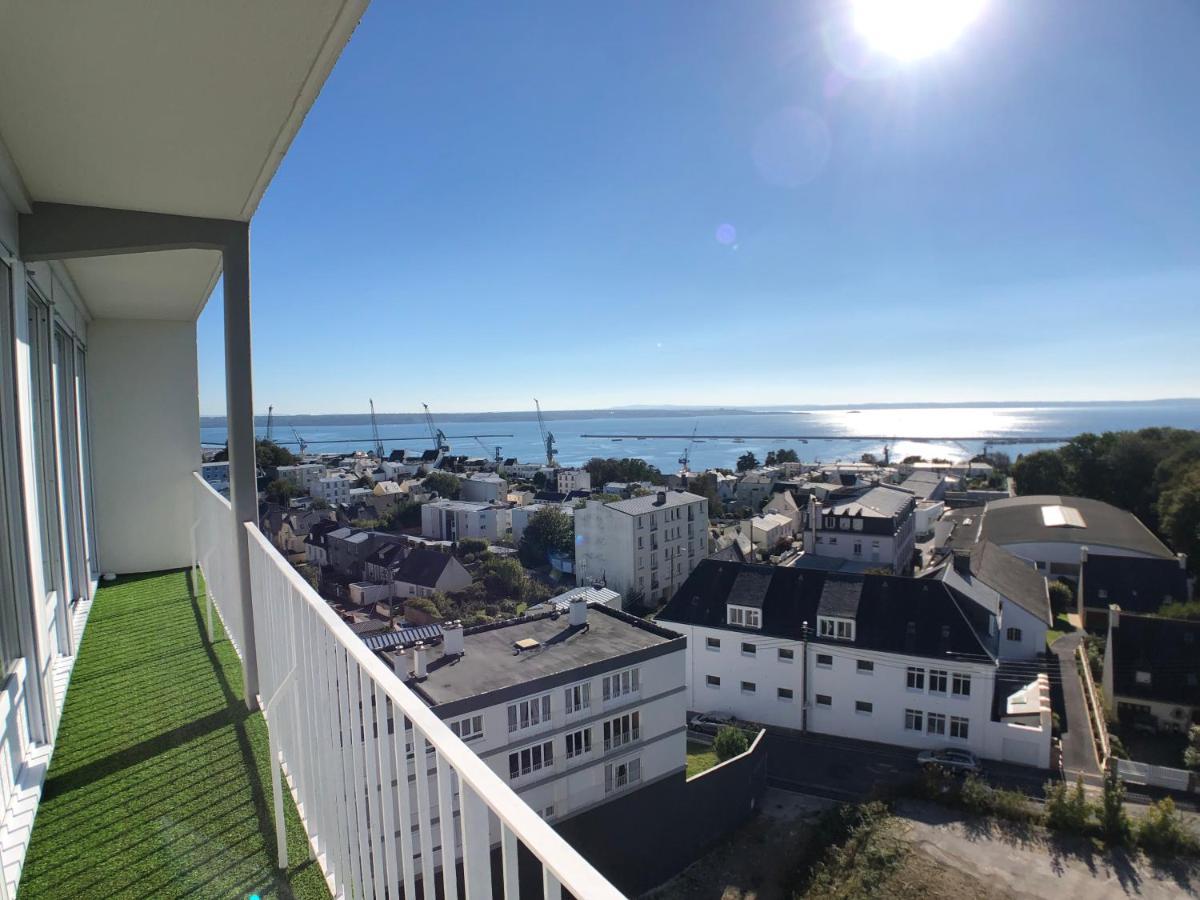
(160, 784)
(699, 758)
(1061, 626)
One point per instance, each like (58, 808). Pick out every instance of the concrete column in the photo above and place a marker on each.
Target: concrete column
(239, 418)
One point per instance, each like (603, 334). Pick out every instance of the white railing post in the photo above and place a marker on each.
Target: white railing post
(277, 791)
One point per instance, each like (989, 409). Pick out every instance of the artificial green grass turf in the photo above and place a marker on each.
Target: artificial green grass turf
(160, 785)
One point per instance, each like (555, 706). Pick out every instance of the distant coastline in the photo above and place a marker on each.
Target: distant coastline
(638, 412)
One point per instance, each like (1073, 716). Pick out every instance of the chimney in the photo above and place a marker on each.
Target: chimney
(962, 562)
(1083, 553)
(418, 660)
(398, 665)
(1182, 557)
(452, 638)
(577, 611)
(662, 499)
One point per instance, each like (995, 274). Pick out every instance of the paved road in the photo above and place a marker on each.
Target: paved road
(1079, 753)
(844, 769)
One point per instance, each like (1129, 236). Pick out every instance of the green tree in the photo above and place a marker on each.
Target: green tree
(730, 741)
(504, 578)
(747, 461)
(281, 491)
(869, 458)
(1179, 513)
(606, 469)
(270, 455)
(782, 455)
(909, 460)
(1061, 597)
(550, 530)
(1043, 472)
(444, 483)
(471, 545)
(706, 487)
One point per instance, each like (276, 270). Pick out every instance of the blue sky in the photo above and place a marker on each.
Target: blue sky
(491, 202)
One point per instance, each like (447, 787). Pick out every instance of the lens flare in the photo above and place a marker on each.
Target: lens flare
(912, 29)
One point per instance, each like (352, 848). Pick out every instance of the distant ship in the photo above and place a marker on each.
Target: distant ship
(854, 412)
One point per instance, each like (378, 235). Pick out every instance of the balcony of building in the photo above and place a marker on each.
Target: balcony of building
(144, 755)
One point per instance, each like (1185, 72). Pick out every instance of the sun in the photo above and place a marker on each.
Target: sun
(912, 29)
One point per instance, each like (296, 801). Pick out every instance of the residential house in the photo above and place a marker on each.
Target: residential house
(873, 657)
(1152, 670)
(874, 528)
(1013, 592)
(1136, 584)
(334, 488)
(422, 572)
(928, 485)
(305, 476)
(316, 550)
(756, 486)
(296, 527)
(768, 531)
(783, 503)
(644, 546)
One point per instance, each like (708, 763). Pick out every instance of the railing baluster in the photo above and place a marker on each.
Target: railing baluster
(551, 889)
(405, 803)
(509, 857)
(445, 782)
(477, 845)
(374, 788)
(386, 769)
(424, 813)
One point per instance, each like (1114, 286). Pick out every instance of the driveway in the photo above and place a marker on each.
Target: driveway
(1079, 753)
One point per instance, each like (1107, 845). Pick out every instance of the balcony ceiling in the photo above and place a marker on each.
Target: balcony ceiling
(182, 108)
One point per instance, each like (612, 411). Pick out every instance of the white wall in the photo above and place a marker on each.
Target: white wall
(145, 441)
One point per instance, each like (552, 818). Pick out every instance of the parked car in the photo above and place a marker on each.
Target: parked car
(711, 722)
(955, 760)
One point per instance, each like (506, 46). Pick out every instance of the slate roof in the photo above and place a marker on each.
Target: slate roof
(1136, 584)
(878, 502)
(1019, 520)
(388, 554)
(1169, 649)
(922, 484)
(884, 607)
(1015, 579)
(423, 567)
(636, 506)
(749, 588)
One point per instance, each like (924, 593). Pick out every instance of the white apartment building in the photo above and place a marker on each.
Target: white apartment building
(216, 474)
(574, 480)
(486, 487)
(880, 658)
(305, 476)
(452, 520)
(644, 546)
(571, 710)
(334, 488)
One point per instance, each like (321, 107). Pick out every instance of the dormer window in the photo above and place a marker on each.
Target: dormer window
(745, 617)
(1141, 677)
(835, 627)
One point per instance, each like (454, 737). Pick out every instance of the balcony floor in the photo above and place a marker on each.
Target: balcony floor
(160, 782)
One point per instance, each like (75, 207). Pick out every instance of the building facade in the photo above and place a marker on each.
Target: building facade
(643, 547)
(872, 529)
(453, 520)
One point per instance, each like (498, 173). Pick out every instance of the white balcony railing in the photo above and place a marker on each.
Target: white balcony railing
(332, 709)
(215, 552)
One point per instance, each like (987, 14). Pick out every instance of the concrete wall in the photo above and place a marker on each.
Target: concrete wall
(145, 441)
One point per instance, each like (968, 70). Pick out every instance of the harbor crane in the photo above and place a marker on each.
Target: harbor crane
(375, 432)
(270, 422)
(547, 436)
(687, 454)
(299, 440)
(439, 436)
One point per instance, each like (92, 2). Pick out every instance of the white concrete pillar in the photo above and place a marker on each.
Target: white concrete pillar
(239, 419)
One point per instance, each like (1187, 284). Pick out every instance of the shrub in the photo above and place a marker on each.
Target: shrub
(472, 546)
(1116, 747)
(859, 864)
(1067, 809)
(730, 742)
(1061, 598)
(1161, 830)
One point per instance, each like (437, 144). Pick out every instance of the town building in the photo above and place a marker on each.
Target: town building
(334, 488)
(874, 528)
(571, 710)
(485, 487)
(453, 520)
(643, 547)
(216, 474)
(1152, 671)
(1137, 584)
(569, 480)
(305, 476)
(423, 572)
(1011, 590)
(873, 657)
(768, 531)
(1051, 531)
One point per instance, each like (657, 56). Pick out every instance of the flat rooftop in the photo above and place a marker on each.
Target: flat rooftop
(490, 663)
